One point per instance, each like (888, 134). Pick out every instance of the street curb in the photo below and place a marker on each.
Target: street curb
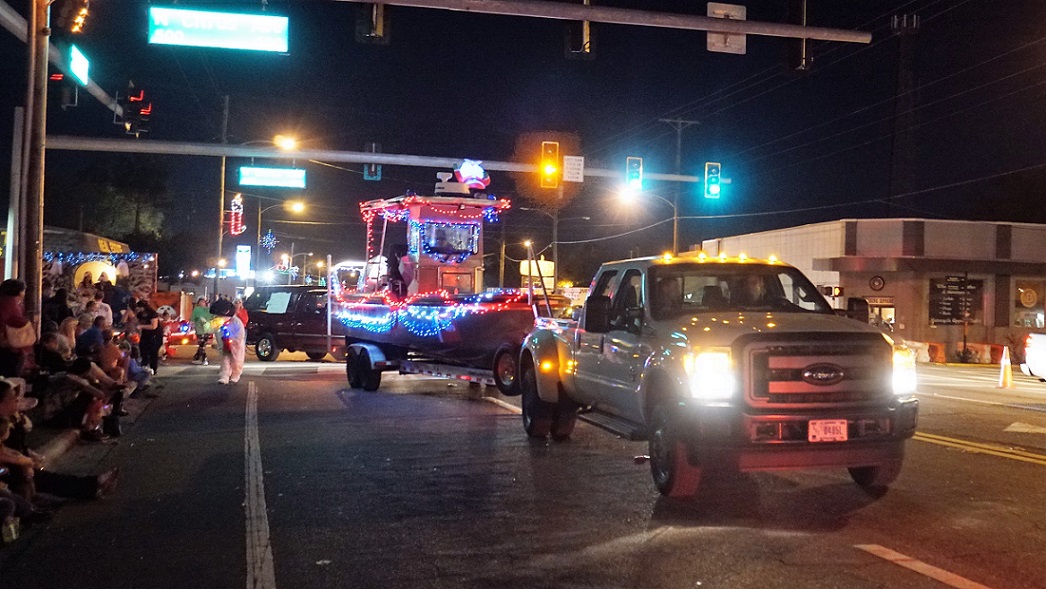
(58, 445)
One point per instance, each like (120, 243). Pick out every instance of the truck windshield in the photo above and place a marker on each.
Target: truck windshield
(680, 289)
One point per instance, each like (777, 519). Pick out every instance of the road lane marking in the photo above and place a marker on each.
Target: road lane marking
(1025, 428)
(937, 574)
(991, 449)
(503, 404)
(260, 572)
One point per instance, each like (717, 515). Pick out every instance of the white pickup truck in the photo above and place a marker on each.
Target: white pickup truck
(723, 364)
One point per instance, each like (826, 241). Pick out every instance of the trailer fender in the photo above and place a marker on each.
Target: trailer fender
(542, 348)
(378, 361)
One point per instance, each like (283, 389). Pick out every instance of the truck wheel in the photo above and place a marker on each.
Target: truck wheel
(370, 379)
(538, 415)
(566, 419)
(876, 477)
(352, 369)
(316, 356)
(506, 371)
(670, 467)
(266, 348)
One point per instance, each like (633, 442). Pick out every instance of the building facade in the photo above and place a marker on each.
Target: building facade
(946, 286)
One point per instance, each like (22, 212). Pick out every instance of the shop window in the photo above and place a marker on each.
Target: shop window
(1028, 304)
(955, 300)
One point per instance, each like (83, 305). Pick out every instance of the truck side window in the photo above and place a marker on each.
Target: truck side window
(606, 283)
(629, 297)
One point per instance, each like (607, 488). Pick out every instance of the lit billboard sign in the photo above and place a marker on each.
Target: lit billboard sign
(221, 30)
(79, 65)
(243, 261)
(277, 177)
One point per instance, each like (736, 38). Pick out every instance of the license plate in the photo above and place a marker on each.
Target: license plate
(827, 430)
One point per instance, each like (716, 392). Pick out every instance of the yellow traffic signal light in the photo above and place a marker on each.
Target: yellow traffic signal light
(550, 165)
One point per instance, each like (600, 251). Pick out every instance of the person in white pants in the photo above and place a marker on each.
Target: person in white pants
(234, 349)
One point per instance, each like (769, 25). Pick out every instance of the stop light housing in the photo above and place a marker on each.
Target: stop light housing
(713, 179)
(634, 174)
(549, 166)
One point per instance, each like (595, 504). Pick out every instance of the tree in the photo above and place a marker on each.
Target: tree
(121, 197)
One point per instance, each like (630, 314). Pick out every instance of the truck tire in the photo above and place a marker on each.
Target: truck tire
(352, 369)
(566, 419)
(316, 356)
(876, 477)
(670, 466)
(265, 348)
(538, 415)
(506, 371)
(370, 379)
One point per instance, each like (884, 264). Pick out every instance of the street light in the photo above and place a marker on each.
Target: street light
(289, 259)
(282, 141)
(294, 206)
(555, 239)
(628, 196)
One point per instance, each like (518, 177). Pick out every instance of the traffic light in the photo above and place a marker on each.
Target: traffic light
(832, 291)
(137, 110)
(634, 174)
(713, 179)
(550, 165)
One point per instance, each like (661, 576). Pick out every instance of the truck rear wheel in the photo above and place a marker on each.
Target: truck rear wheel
(506, 371)
(316, 356)
(670, 466)
(266, 348)
(876, 477)
(538, 415)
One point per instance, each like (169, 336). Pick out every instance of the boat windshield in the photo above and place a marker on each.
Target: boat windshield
(680, 289)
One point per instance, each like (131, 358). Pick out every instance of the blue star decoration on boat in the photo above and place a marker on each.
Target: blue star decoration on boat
(269, 241)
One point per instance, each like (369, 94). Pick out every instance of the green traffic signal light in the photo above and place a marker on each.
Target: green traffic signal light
(713, 179)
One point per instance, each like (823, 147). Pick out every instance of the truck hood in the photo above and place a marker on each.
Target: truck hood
(722, 328)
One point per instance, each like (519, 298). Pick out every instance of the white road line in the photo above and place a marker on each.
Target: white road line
(260, 573)
(503, 404)
(950, 579)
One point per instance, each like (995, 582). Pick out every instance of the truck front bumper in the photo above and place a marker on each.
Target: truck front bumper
(730, 439)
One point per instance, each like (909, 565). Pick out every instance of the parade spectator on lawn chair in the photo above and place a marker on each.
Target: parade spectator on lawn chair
(57, 307)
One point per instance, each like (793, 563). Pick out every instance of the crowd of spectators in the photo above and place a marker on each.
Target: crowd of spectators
(96, 347)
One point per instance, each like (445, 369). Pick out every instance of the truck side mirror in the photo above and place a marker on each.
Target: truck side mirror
(595, 318)
(857, 308)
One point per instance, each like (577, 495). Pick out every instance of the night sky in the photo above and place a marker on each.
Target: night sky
(798, 148)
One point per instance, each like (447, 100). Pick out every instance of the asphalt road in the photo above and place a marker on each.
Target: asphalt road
(290, 479)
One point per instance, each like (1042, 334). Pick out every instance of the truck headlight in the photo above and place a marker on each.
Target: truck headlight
(710, 373)
(903, 370)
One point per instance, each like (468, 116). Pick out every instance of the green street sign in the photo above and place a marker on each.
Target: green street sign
(79, 65)
(221, 30)
(277, 177)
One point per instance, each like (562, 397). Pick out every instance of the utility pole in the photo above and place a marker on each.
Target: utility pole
(221, 192)
(903, 157)
(678, 125)
(36, 111)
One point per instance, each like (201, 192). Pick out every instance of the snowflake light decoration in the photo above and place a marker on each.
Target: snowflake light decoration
(269, 241)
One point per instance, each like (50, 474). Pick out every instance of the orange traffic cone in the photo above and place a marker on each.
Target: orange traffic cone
(1005, 371)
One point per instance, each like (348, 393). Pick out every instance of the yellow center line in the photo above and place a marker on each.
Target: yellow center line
(991, 449)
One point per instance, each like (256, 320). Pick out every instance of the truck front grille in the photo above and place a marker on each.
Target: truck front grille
(803, 375)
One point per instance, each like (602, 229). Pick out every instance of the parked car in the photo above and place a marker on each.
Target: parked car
(292, 318)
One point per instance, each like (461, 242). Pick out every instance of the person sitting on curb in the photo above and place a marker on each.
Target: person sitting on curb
(82, 373)
(29, 476)
(13, 504)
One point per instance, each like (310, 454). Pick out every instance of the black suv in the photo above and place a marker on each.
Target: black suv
(292, 318)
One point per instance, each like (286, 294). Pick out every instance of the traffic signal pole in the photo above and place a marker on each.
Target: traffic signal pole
(33, 233)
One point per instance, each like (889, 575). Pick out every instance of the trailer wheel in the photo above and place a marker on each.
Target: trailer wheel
(876, 477)
(316, 356)
(266, 348)
(670, 466)
(506, 371)
(538, 415)
(352, 369)
(370, 379)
